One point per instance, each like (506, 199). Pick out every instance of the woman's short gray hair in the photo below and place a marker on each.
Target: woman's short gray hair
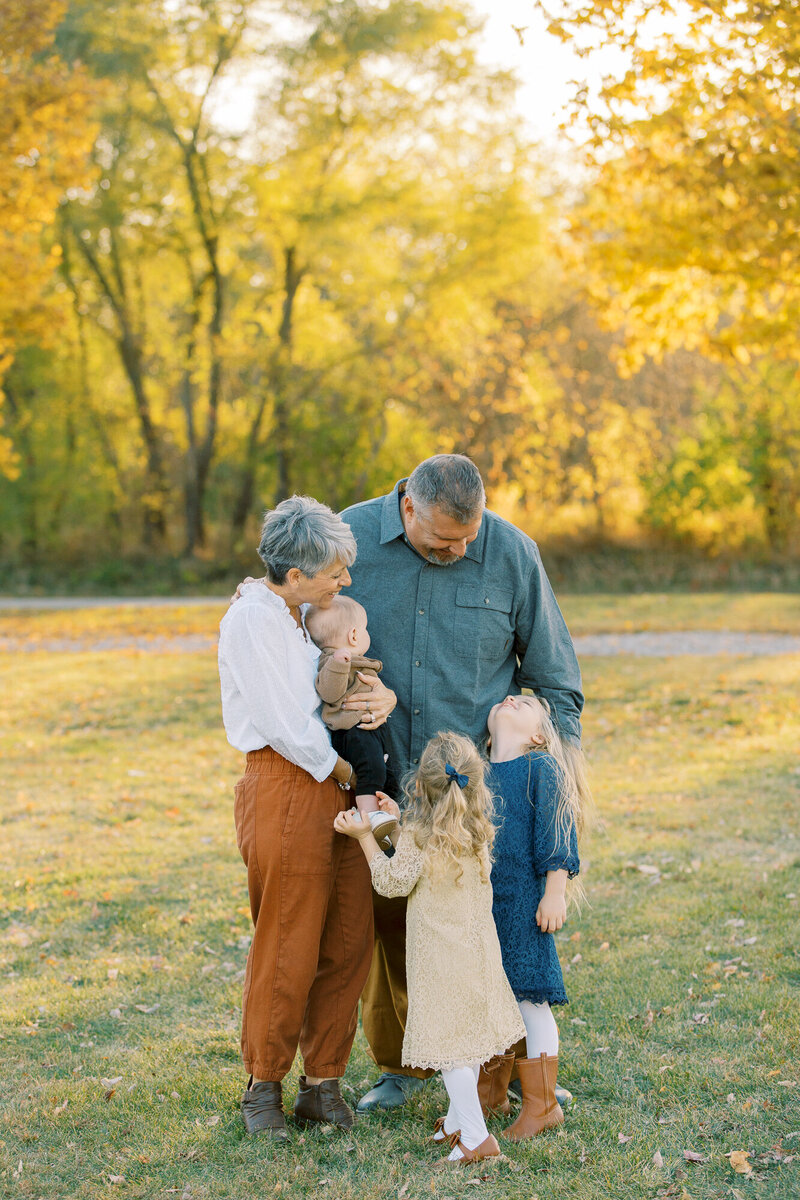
(300, 532)
(450, 482)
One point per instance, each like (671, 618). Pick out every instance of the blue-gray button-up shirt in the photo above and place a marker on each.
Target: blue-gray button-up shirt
(456, 639)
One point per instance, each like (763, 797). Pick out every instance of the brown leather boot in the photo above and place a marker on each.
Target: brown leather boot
(540, 1109)
(493, 1083)
(322, 1104)
(262, 1110)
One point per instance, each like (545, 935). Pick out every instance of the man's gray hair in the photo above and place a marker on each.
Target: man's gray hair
(300, 532)
(450, 482)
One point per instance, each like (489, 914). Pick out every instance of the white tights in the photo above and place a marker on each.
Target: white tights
(464, 1112)
(541, 1030)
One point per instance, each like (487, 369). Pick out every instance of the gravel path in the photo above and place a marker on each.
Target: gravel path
(704, 643)
(642, 645)
(54, 603)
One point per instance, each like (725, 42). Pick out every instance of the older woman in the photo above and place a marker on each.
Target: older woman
(310, 893)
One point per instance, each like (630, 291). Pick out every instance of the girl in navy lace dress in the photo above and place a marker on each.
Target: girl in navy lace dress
(541, 795)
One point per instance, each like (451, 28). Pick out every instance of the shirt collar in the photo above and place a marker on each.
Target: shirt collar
(392, 523)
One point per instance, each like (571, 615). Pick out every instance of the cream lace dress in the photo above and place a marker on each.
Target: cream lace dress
(461, 1009)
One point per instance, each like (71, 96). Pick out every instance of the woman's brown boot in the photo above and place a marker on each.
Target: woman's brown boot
(493, 1083)
(540, 1109)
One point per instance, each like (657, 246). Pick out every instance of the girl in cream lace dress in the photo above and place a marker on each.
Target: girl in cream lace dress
(461, 1010)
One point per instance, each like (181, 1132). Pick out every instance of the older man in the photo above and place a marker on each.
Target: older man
(461, 613)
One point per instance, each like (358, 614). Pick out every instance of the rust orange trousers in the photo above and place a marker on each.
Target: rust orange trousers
(311, 901)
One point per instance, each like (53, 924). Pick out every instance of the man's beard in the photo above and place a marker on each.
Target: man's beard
(439, 562)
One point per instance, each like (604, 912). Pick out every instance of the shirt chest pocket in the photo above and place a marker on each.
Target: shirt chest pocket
(483, 624)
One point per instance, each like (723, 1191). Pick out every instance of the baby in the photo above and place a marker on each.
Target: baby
(340, 631)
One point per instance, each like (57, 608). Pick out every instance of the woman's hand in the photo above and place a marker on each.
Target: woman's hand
(343, 772)
(374, 706)
(352, 824)
(388, 805)
(238, 591)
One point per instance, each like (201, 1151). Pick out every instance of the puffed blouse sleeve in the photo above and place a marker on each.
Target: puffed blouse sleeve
(554, 848)
(397, 876)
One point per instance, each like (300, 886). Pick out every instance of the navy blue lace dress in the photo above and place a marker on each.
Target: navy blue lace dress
(525, 849)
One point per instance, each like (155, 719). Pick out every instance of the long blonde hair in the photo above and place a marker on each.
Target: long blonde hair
(574, 803)
(450, 822)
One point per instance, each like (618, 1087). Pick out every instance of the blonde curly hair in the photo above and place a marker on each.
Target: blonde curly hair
(450, 822)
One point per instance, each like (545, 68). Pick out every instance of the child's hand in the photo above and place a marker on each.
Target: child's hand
(388, 805)
(551, 913)
(342, 655)
(352, 824)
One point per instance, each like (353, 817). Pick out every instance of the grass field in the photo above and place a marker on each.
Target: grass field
(125, 925)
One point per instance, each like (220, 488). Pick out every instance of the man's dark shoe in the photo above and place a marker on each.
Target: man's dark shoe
(322, 1104)
(262, 1110)
(563, 1097)
(389, 1091)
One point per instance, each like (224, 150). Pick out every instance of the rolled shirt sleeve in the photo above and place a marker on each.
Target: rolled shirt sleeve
(267, 681)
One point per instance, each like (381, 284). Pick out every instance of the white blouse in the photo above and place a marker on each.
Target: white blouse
(266, 671)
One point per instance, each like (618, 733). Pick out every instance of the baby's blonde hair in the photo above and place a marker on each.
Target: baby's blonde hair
(334, 622)
(450, 822)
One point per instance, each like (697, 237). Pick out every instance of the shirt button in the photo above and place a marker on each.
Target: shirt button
(486, 600)
(417, 663)
(422, 612)
(415, 760)
(416, 712)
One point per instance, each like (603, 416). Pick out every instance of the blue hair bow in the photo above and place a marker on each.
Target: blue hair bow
(452, 774)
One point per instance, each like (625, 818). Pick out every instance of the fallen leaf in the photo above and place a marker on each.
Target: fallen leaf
(693, 1156)
(658, 1160)
(699, 1018)
(403, 1191)
(739, 1161)
(113, 972)
(110, 1083)
(213, 1120)
(648, 869)
(115, 1013)
(145, 1008)
(57, 1111)
(116, 1179)
(605, 945)
(622, 1138)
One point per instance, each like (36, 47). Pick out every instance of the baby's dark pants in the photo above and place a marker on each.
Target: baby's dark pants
(364, 749)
